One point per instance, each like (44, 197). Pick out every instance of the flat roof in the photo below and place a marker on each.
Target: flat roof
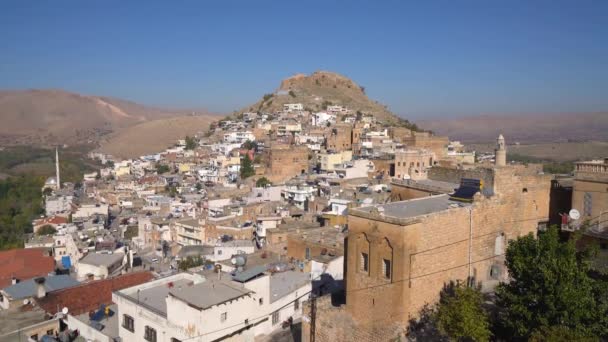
(102, 259)
(412, 208)
(109, 324)
(284, 283)
(209, 293)
(155, 296)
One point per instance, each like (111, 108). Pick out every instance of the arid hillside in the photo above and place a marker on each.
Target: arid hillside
(50, 117)
(318, 90)
(153, 136)
(534, 128)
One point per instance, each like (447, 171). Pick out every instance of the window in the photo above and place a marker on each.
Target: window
(587, 204)
(128, 323)
(34, 337)
(307, 253)
(219, 252)
(364, 262)
(261, 301)
(150, 334)
(296, 305)
(275, 317)
(50, 332)
(386, 268)
(495, 272)
(173, 339)
(224, 317)
(499, 245)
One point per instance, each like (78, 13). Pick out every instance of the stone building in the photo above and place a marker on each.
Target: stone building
(339, 138)
(413, 164)
(285, 162)
(436, 144)
(590, 189)
(400, 255)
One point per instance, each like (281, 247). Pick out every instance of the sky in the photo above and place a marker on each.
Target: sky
(421, 58)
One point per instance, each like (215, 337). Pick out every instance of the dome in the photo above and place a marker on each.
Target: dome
(50, 181)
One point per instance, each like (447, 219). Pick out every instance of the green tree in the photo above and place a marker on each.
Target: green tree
(246, 167)
(262, 182)
(46, 230)
(20, 203)
(460, 315)
(551, 287)
(250, 145)
(162, 168)
(190, 143)
(189, 262)
(292, 94)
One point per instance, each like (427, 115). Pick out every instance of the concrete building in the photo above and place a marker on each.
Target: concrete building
(21, 293)
(197, 308)
(331, 161)
(401, 254)
(96, 266)
(339, 138)
(59, 204)
(291, 107)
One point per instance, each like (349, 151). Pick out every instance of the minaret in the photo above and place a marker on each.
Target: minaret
(500, 153)
(57, 168)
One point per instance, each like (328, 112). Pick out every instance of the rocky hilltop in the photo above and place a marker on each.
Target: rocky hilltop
(320, 89)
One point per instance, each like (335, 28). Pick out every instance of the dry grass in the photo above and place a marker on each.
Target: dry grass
(153, 136)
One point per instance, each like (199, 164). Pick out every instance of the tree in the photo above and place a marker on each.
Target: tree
(551, 288)
(47, 229)
(162, 168)
(246, 167)
(190, 143)
(460, 315)
(292, 94)
(262, 182)
(189, 262)
(250, 145)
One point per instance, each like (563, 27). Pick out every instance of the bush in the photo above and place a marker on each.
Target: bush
(46, 230)
(262, 182)
(292, 94)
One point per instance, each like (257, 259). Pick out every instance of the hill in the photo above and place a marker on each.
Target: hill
(320, 89)
(153, 136)
(50, 117)
(531, 128)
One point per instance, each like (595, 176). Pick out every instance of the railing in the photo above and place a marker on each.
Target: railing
(592, 167)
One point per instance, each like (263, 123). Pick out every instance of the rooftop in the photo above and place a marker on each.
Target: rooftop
(88, 296)
(24, 264)
(154, 297)
(411, 208)
(284, 283)
(29, 287)
(209, 293)
(102, 259)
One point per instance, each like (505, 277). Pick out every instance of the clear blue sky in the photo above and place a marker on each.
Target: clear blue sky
(424, 59)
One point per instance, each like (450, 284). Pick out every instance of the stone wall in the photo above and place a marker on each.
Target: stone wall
(285, 162)
(324, 322)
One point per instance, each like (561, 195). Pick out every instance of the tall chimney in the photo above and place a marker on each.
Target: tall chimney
(40, 290)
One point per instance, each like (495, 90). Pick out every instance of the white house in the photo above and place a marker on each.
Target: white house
(99, 265)
(292, 107)
(238, 137)
(322, 118)
(196, 308)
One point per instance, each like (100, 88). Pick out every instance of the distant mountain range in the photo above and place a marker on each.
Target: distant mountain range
(318, 90)
(52, 117)
(531, 128)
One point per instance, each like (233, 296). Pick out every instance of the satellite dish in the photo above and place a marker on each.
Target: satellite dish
(574, 214)
(64, 311)
(26, 301)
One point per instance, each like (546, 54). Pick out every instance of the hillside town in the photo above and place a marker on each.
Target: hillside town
(328, 225)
